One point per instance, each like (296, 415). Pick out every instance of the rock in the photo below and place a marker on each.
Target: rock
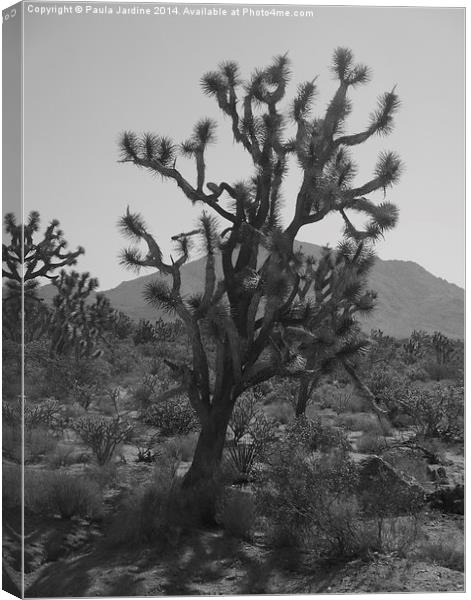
(449, 499)
(437, 473)
(385, 490)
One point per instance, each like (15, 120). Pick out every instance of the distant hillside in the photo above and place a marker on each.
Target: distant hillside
(409, 297)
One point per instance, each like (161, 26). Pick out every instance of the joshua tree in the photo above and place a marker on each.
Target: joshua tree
(25, 262)
(249, 311)
(25, 259)
(332, 335)
(77, 324)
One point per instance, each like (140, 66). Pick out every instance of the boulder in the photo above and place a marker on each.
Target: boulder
(448, 499)
(386, 491)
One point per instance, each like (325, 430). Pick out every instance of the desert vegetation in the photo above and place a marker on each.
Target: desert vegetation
(254, 433)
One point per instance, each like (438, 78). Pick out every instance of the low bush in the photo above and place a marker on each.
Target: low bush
(365, 422)
(437, 412)
(44, 413)
(38, 442)
(11, 486)
(392, 535)
(61, 456)
(447, 552)
(103, 475)
(51, 493)
(12, 442)
(237, 513)
(154, 513)
(146, 390)
(371, 443)
(280, 412)
(102, 435)
(309, 502)
(345, 400)
(172, 417)
(84, 393)
(314, 436)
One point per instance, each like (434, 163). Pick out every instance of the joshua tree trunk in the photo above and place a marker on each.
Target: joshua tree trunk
(210, 446)
(307, 385)
(303, 397)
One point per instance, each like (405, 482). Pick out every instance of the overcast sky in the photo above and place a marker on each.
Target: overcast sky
(89, 77)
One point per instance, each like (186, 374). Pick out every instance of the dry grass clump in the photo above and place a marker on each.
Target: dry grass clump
(371, 443)
(237, 513)
(51, 493)
(446, 552)
(366, 422)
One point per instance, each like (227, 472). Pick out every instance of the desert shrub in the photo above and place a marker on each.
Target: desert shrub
(437, 412)
(438, 371)
(161, 511)
(45, 412)
(447, 552)
(314, 436)
(61, 456)
(237, 513)
(392, 535)
(60, 374)
(280, 412)
(50, 493)
(365, 422)
(371, 443)
(155, 366)
(416, 373)
(345, 400)
(12, 442)
(309, 501)
(84, 393)
(146, 390)
(102, 435)
(75, 496)
(122, 357)
(103, 475)
(172, 417)
(122, 325)
(11, 486)
(388, 387)
(144, 333)
(38, 442)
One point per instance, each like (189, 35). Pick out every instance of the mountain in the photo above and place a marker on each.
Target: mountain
(409, 297)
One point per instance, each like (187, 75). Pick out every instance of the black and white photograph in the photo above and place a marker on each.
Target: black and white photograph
(233, 308)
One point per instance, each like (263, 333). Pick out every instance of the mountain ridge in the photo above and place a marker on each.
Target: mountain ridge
(409, 296)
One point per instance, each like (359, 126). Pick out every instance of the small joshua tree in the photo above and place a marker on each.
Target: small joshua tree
(249, 311)
(25, 261)
(76, 324)
(25, 258)
(332, 335)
